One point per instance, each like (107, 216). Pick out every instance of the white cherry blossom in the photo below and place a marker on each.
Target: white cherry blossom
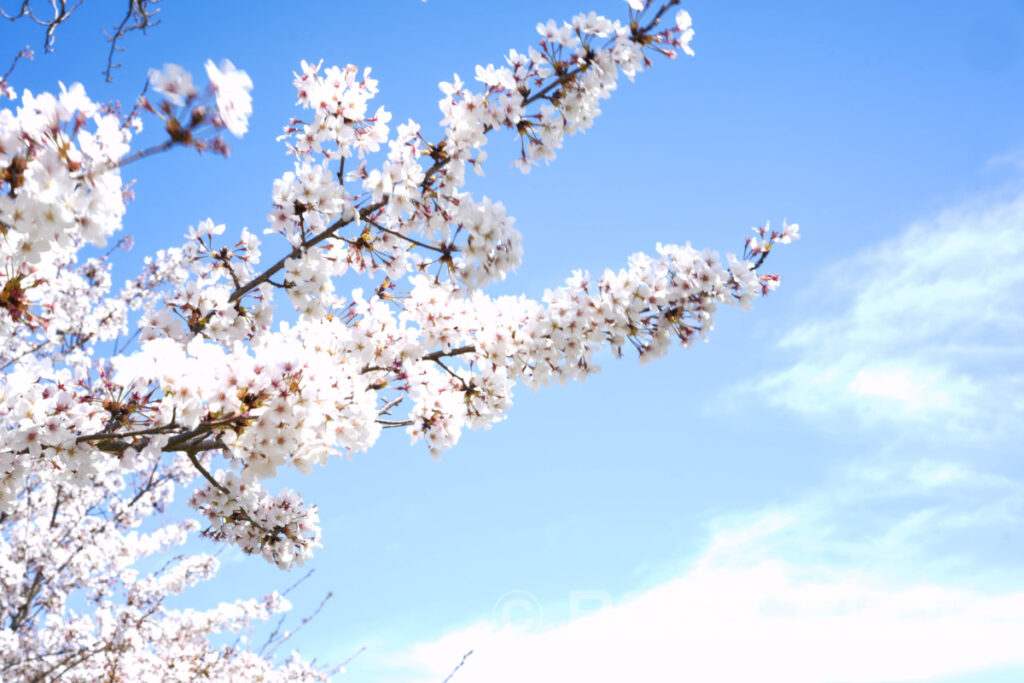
(384, 254)
(232, 86)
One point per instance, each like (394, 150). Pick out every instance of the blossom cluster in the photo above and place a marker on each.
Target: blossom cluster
(73, 605)
(60, 191)
(234, 508)
(216, 394)
(211, 372)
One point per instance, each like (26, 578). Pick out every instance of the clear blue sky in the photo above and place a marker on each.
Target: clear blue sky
(831, 489)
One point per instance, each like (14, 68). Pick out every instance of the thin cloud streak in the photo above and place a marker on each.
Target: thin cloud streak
(807, 592)
(771, 621)
(929, 329)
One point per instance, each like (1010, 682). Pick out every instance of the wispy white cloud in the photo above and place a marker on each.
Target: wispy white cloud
(1013, 159)
(766, 623)
(772, 621)
(807, 592)
(928, 328)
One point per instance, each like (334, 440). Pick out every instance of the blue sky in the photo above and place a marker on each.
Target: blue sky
(829, 490)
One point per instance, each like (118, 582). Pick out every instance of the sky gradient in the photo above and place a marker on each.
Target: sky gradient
(831, 489)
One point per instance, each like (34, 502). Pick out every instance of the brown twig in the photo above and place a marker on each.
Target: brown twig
(457, 667)
(143, 14)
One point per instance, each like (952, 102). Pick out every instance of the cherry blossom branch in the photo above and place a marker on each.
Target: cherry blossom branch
(26, 53)
(139, 17)
(38, 581)
(441, 159)
(209, 477)
(28, 352)
(657, 17)
(112, 436)
(61, 13)
(270, 398)
(305, 620)
(432, 356)
(140, 11)
(457, 667)
(280, 622)
(389, 405)
(143, 153)
(435, 355)
(388, 424)
(297, 251)
(408, 239)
